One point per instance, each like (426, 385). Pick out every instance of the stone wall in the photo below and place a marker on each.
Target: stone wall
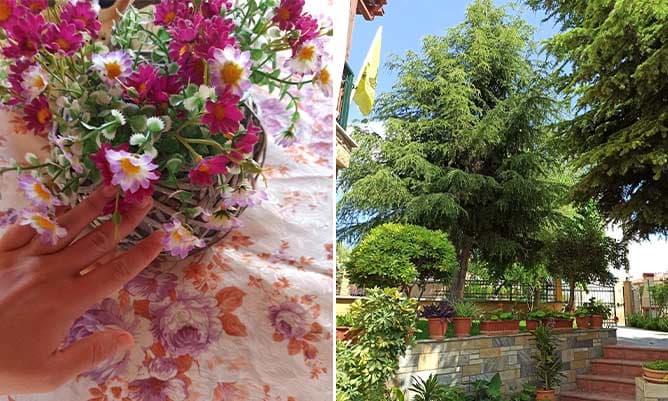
(462, 361)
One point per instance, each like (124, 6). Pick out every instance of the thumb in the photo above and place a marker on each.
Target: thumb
(85, 354)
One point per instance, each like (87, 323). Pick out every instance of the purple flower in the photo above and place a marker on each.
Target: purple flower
(64, 38)
(275, 118)
(289, 319)
(187, 325)
(8, 217)
(105, 316)
(169, 10)
(153, 285)
(162, 385)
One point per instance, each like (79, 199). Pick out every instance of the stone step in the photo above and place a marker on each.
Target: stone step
(613, 384)
(577, 395)
(616, 367)
(632, 353)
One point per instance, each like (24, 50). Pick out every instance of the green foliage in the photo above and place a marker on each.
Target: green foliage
(464, 150)
(597, 307)
(466, 309)
(483, 390)
(611, 58)
(647, 322)
(344, 320)
(431, 390)
(548, 363)
(500, 314)
(538, 314)
(580, 252)
(659, 294)
(656, 365)
(396, 255)
(487, 390)
(342, 258)
(385, 320)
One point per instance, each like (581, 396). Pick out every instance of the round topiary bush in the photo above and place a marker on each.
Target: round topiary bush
(401, 255)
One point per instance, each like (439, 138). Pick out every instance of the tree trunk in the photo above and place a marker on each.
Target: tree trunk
(571, 296)
(536, 298)
(459, 278)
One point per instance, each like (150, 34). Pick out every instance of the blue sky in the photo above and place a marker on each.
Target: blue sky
(406, 22)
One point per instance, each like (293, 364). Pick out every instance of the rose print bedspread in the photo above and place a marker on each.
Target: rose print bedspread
(249, 319)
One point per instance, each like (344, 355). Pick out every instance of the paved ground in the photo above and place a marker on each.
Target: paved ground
(642, 338)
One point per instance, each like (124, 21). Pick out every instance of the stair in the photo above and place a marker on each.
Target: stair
(612, 377)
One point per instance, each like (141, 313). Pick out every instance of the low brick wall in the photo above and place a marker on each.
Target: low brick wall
(461, 361)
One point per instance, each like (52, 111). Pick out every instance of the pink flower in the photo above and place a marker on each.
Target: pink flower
(223, 116)
(131, 171)
(25, 38)
(37, 193)
(215, 33)
(242, 197)
(207, 168)
(179, 241)
(209, 8)
(99, 158)
(46, 227)
(247, 142)
(167, 11)
(308, 30)
(221, 220)
(323, 81)
(230, 70)
(289, 320)
(287, 13)
(7, 11)
(192, 69)
(35, 6)
(15, 78)
(112, 66)
(38, 115)
(163, 87)
(83, 16)
(63, 38)
(142, 81)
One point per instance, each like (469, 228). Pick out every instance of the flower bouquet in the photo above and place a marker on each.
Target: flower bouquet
(164, 110)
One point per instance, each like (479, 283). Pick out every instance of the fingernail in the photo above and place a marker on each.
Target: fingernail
(109, 191)
(124, 339)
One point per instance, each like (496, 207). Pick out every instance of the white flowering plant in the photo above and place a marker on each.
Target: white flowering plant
(163, 110)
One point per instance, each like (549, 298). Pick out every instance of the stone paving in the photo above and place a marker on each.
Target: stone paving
(641, 338)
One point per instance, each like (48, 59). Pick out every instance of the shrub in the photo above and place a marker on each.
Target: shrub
(363, 368)
(442, 310)
(597, 307)
(344, 320)
(396, 255)
(548, 363)
(466, 309)
(656, 365)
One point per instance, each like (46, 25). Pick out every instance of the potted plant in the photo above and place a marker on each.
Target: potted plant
(438, 315)
(499, 321)
(599, 312)
(343, 325)
(547, 362)
(534, 318)
(464, 314)
(583, 316)
(561, 321)
(656, 371)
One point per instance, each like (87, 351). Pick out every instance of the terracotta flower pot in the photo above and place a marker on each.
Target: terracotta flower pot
(655, 376)
(532, 325)
(583, 322)
(462, 326)
(512, 326)
(341, 332)
(596, 321)
(491, 326)
(545, 395)
(437, 328)
(563, 324)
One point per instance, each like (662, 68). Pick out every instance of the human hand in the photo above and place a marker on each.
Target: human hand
(42, 292)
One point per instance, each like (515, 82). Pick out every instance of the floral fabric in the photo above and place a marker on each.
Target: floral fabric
(250, 318)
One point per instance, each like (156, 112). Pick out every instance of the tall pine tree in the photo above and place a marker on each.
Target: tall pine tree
(612, 58)
(464, 148)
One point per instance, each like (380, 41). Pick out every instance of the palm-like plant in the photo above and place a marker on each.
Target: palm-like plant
(548, 363)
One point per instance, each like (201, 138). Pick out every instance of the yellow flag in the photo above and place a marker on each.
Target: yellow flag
(365, 93)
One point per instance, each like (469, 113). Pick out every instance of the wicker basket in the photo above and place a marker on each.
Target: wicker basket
(166, 207)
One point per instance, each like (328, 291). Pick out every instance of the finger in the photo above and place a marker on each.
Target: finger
(87, 353)
(16, 237)
(78, 218)
(103, 239)
(108, 278)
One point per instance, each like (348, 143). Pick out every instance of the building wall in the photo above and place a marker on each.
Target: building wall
(461, 361)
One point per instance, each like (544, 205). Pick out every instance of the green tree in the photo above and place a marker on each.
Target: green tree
(464, 150)
(581, 253)
(612, 58)
(398, 255)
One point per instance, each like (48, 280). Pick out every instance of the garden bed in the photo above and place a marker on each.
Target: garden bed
(463, 360)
